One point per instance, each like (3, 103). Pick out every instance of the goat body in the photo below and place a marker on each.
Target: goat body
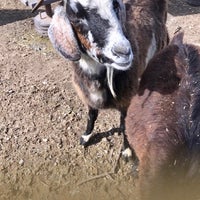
(111, 42)
(163, 120)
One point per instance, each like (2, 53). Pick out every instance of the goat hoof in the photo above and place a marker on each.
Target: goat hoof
(83, 142)
(85, 139)
(127, 154)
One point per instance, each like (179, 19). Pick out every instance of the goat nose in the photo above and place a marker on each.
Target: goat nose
(121, 50)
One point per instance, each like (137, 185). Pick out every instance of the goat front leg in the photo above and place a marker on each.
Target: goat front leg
(92, 116)
(126, 150)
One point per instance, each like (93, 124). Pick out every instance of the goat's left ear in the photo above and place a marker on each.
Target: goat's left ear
(62, 35)
(178, 38)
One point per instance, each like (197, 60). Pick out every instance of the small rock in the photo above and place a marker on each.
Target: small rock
(116, 134)
(21, 162)
(45, 140)
(44, 82)
(10, 91)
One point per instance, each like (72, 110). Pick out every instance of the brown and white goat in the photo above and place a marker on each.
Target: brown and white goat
(163, 122)
(110, 42)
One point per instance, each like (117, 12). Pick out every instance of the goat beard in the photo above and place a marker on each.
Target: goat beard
(110, 72)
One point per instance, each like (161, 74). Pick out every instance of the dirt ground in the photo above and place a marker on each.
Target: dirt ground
(41, 118)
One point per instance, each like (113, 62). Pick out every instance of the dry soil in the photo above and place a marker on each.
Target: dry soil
(41, 118)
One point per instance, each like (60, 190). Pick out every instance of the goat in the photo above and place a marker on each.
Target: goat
(163, 121)
(110, 43)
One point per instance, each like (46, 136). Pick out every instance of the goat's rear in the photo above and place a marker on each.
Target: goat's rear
(163, 123)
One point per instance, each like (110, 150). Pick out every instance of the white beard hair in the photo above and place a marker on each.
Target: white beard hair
(109, 74)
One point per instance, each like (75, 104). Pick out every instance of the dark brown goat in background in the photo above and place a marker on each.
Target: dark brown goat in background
(163, 123)
(110, 42)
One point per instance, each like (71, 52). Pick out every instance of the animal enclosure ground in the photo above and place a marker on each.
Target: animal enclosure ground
(41, 118)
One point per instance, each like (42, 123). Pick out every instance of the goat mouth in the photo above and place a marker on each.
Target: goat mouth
(116, 65)
(123, 63)
(110, 74)
(123, 66)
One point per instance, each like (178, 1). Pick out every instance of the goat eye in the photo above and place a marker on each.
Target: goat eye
(77, 22)
(116, 6)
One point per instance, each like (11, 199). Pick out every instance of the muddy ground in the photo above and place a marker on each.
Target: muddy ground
(41, 118)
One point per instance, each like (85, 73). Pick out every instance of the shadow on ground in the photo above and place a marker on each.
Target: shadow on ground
(95, 139)
(181, 8)
(9, 16)
(176, 8)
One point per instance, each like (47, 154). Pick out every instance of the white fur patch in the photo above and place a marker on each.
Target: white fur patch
(116, 39)
(127, 153)
(86, 138)
(73, 6)
(96, 97)
(93, 49)
(90, 37)
(89, 65)
(151, 50)
(102, 5)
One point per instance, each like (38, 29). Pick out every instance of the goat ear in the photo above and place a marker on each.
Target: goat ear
(178, 38)
(62, 36)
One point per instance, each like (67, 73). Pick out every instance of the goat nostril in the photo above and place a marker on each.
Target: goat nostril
(121, 51)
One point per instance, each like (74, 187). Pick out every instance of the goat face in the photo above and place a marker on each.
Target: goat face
(98, 27)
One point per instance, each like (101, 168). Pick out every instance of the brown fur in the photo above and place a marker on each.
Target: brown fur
(144, 18)
(159, 116)
(82, 38)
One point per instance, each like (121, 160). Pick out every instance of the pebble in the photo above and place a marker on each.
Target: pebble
(45, 140)
(21, 162)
